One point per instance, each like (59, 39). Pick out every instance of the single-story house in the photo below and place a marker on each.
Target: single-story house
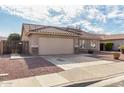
(47, 40)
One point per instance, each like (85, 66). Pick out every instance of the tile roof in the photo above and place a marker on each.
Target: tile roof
(62, 30)
(34, 28)
(112, 37)
(37, 28)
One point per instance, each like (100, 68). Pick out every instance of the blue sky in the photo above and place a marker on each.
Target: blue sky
(95, 19)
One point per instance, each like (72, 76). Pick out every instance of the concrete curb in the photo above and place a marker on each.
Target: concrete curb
(120, 75)
(108, 81)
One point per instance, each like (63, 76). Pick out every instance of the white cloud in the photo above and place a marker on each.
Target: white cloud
(115, 12)
(28, 12)
(41, 13)
(68, 15)
(88, 26)
(94, 13)
(108, 12)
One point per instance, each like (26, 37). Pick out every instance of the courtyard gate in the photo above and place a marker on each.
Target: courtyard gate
(8, 47)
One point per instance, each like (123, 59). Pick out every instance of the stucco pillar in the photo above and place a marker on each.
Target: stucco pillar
(76, 45)
(1, 47)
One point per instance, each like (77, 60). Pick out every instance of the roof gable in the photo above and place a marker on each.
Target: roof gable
(52, 31)
(41, 29)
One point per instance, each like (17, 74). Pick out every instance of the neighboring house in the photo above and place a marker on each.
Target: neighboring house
(47, 40)
(117, 40)
(3, 38)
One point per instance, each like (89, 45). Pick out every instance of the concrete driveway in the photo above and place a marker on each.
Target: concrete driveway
(67, 62)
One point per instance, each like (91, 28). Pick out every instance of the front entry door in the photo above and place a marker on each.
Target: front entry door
(102, 45)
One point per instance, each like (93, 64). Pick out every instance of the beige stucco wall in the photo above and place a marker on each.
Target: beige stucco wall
(49, 46)
(116, 43)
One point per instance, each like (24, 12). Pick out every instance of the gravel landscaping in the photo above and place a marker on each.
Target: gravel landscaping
(20, 68)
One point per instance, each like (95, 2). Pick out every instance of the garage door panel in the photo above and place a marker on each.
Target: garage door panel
(55, 46)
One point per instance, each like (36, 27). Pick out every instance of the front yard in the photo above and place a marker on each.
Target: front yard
(25, 67)
(37, 65)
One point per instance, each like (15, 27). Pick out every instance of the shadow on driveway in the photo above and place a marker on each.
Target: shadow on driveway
(37, 62)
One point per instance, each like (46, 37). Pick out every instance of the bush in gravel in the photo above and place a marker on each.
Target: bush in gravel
(108, 46)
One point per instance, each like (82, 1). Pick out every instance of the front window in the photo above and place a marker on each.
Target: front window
(82, 43)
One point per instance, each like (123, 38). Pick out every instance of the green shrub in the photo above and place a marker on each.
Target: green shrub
(14, 37)
(108, 46)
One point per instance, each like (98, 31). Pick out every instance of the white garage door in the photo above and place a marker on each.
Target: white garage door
(55, 46)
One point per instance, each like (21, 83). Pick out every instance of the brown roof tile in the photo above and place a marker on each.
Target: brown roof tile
(112, 37)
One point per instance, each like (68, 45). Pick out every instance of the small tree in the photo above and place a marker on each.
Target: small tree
(14, 37)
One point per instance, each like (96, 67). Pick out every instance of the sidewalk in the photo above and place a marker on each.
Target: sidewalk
(71, 76)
